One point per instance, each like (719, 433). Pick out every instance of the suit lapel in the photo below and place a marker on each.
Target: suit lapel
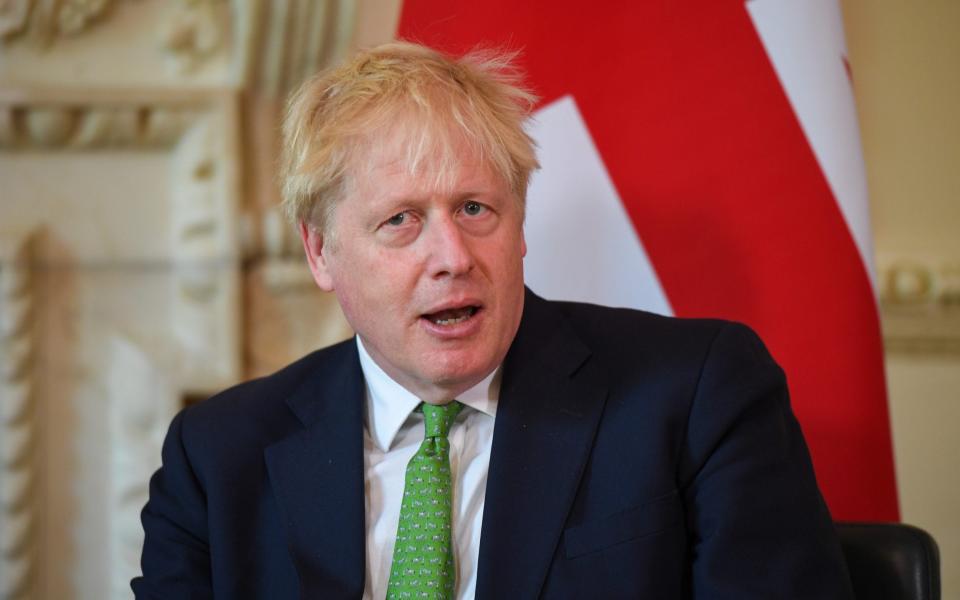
(317, 477)
(547, 415)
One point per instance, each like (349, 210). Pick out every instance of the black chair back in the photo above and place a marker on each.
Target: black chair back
(891, 561)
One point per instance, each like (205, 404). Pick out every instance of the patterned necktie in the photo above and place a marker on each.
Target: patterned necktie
(423, 555)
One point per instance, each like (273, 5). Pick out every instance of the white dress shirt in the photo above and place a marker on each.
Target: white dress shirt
(392, 435)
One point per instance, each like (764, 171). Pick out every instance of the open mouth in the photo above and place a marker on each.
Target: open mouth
(452, 316)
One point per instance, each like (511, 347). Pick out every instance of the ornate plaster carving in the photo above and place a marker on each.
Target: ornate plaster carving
(191, 138)
(912, 283)
(193, 32)
(269, 46)
(78, 125)
(76, 15)
(13, 17)
(920, 305)
(206, 254)
(47, 19)
(18, 428)
(273, 46)
(141, 405)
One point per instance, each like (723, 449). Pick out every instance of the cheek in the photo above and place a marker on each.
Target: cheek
(373, 292)
(512, 259)
(353, 292)
(348, 306)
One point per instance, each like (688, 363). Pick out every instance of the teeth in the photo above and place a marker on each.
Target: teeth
(451, 321)
(452, 317)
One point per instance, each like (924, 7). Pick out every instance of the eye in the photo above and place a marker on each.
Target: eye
(396, 220)
(473, 209)
(400, 229)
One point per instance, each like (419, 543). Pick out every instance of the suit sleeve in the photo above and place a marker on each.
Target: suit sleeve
(759, 526)
(176, 555)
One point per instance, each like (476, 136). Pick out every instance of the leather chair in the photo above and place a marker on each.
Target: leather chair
(890, 561)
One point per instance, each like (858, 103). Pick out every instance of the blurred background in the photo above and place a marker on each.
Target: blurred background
(144, 266)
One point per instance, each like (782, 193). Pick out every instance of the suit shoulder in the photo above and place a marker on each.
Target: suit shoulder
(631, 333)
(613, 323)
(262, 401)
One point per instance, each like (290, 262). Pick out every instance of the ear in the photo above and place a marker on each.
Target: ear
(316, 256)
(523, 244)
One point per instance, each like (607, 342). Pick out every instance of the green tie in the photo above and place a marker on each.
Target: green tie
(423, 554)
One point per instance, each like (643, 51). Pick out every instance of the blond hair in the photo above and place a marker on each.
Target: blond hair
(437, 102)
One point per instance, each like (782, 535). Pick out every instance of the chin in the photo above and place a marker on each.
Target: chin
(458, 374)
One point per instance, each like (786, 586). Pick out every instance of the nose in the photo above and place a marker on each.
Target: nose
(450, 251)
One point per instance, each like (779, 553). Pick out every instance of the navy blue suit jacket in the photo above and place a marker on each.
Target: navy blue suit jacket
(634, 456)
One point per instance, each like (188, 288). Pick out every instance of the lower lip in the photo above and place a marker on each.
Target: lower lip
(455, 331)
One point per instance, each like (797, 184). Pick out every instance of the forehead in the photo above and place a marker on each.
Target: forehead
(419, 161)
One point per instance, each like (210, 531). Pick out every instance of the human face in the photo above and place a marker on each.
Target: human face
(429, 276)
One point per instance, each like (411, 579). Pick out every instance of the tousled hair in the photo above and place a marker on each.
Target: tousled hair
(435, 102)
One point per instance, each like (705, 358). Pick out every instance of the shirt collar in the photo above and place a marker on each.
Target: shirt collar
(389, 403)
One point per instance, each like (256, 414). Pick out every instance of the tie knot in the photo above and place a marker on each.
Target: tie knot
(438, 418)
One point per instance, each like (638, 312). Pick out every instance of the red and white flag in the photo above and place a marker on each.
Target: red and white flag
(702, 158)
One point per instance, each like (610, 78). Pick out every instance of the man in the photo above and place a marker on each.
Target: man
(474, 439)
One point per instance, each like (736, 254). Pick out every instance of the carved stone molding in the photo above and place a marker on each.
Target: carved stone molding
(920, 305)
(18, 428)
(193, 32)
(206, 255)
(267, 46)
(141, 405)
(199, 134)
(151, 319)
(47, 19)
(138, 354)
(86, 126)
